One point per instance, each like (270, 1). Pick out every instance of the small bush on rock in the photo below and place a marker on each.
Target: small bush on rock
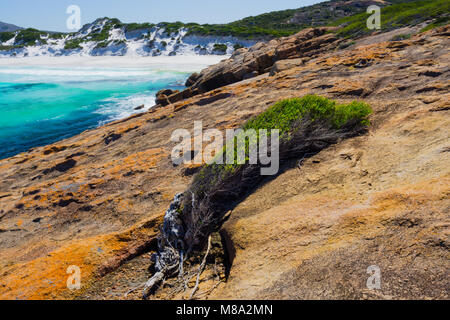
(306, 126)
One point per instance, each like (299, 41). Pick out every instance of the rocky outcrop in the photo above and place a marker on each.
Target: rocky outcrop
(162, 96)
(283, 65)
(97, 200)
(246, 63)
(168, 96)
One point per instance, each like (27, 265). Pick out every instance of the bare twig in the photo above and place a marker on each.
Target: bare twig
(210, 290)
(181, 271)
(134, 289)
(200, 271)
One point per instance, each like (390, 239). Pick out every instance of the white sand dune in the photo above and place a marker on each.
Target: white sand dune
(175, 63)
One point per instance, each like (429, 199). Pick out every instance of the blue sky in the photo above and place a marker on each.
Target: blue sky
(51, 14)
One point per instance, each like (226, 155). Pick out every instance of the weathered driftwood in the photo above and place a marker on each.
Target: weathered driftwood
(170, 247)
(157, 279)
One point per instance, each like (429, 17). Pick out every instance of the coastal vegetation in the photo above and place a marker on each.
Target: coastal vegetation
(281, 23)
(398, 15)
(135, 26)
(306, 125)
(350, 16)
(73, 44)
(7, 48)
(220, 47)
(441, 21)
(29, 37)
(5, 36)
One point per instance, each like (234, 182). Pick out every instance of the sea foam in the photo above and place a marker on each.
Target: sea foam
(46, 99)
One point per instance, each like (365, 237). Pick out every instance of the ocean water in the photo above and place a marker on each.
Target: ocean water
(44, 103)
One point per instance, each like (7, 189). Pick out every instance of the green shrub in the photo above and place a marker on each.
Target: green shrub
(56, 35)
(220, 47)
(285, 113)
(137, 26)
(28, 37)
(7, 48)
(173, 27)
(5, 36)
(286, 116)
(103, 34)
(73, 44)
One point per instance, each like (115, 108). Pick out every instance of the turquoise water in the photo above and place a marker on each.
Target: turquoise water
(41, 105)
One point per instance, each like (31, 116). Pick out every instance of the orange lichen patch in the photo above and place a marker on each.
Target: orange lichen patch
(123, 205)
(5, 165)
(144, 160)
(214, 92)
(425, 62)
(256, 84)
(309, 77)
(157, 118)
(368, 53)
(282, 86)
(239, 89)
(79, 185)
(45, 199)
(53, 149)
(228, 123)
(181, 106)
(127, 128)
(46, 277)
(192, 166)
(349, 87)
